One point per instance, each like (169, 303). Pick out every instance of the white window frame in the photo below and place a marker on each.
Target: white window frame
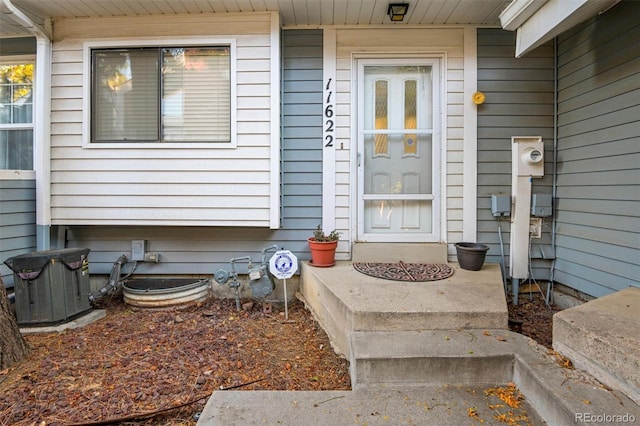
(156, 42)
(15, 173)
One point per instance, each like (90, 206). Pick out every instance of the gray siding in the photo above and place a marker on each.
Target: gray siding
(17, 222)
(519, 102)
(202, 250)
(302, 130)
(598, 193)
(17, 197)
(18, 46)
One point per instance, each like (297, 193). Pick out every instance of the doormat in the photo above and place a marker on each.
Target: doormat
(416, 272)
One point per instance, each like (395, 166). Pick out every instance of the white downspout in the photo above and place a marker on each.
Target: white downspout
(41, 123)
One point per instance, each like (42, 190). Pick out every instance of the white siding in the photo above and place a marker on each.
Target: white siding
(445, 42)
(143, 185)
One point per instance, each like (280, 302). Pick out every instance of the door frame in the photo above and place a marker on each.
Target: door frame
(437, 63)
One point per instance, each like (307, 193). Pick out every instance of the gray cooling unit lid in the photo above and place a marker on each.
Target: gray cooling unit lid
(29, 266)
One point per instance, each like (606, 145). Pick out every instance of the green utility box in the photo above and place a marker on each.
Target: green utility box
(51, 286)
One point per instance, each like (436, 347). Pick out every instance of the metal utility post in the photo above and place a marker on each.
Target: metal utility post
(527, 157)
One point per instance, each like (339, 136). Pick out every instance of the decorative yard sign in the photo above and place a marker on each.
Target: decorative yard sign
(283, 264)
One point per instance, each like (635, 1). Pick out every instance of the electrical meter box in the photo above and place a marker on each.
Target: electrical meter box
(541, 205)
(138, 250)
(51, 286)
(528, 156)
(500, 205)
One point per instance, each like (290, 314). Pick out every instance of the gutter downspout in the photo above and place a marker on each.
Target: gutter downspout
(41, 122)
(554, 185)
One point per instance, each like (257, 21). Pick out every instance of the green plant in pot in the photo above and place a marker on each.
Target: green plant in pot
(323, 247)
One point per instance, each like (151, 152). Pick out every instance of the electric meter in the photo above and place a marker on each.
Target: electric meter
(532, 155)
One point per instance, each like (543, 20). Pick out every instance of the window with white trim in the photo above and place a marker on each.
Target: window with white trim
(16, 115)
(161, 94)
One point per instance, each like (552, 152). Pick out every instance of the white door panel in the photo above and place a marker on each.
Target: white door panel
(397, 185)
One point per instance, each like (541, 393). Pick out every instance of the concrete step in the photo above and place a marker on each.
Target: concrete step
(426, 405)
(344, 300)
(602, 337)
(430, 357)
(471, 362)
(395, 252)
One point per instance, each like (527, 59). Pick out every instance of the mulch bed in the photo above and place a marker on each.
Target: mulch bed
(137, 362)
(535, 316)
(158, 367)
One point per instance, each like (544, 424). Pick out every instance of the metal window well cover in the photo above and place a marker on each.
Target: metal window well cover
(165, 292)
(29, 266)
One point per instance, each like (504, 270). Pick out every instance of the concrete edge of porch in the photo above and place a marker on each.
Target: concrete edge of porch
(602, 337)
(558, 395)
(466, 300)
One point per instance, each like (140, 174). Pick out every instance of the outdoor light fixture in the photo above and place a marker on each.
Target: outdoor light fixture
(397, 11)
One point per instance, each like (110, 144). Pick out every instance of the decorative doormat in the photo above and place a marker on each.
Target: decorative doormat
(401, 271)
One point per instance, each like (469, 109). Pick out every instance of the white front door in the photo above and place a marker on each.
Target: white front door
(398, 150)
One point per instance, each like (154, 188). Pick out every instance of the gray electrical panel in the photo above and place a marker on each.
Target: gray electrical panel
(541, 205)
(138, 250)
(500, 205)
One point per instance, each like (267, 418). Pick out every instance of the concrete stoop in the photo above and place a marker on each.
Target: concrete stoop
(345, 301)
(602, 337)
(446, 376)
(422, 353)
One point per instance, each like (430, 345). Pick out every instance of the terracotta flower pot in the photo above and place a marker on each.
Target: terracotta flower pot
(323, 253)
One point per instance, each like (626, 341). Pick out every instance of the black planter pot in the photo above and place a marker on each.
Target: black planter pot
(471, 255)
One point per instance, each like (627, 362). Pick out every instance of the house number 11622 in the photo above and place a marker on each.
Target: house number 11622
(329, 128)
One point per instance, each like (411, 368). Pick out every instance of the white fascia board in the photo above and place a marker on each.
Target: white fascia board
(555, 17)
(518, 11)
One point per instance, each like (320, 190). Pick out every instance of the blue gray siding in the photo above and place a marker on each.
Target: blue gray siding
(598, 193)
(202, 250)
(17, 197)
(17, 222)
(302, 130)
(519, 102)
(18, 46)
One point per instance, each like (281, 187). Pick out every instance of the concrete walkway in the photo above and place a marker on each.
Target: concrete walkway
(553, 394)
(424, 354)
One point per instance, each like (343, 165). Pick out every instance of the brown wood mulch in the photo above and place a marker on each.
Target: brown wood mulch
(136, 363)
(535, 316)
(158, 367)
